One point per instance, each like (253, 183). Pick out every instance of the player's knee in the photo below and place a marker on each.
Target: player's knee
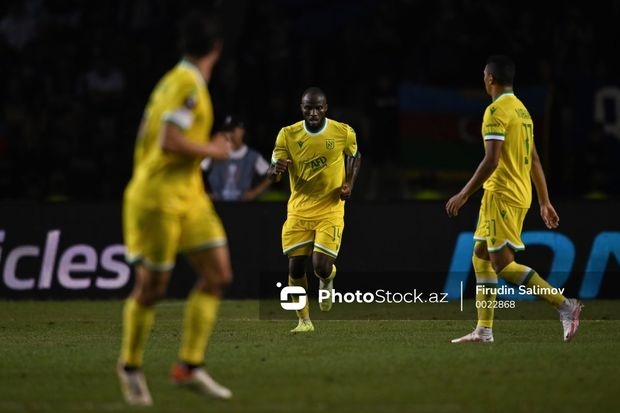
(323, 270)
(217, 284)
(297, 266)
(480, 251)
(150, 296)
(499, 265)
(225, 280)
(323, 265)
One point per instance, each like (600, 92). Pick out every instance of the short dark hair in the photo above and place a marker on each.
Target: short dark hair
(313, 90)
(502, 68)
(198, 33)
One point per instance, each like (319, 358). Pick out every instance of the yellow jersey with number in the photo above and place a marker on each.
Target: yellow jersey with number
(317, 169)
(508, 120)
(166, 180)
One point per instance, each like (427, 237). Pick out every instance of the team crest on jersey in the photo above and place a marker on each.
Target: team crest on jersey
(330, 144)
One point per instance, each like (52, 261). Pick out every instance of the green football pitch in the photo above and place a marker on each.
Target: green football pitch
(59, 356)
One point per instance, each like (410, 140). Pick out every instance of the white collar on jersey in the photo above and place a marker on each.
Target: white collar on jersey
(316, 133)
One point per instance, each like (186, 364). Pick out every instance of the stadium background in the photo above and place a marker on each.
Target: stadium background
(406, 74)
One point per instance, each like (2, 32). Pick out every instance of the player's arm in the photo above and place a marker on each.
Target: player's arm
(547, 212)
(277, 168)
(280, 159)
(492, 150)
(352, 168)
(173, 140)
(179, 117)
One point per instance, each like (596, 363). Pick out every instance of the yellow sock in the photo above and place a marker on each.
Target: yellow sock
(520, 274)
(304, 313)
(137, 323)
(554, 299)
(329, 277)
(198, 322)
(486, 287)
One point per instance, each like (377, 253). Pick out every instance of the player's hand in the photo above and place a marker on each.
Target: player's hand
(279, 168)
(220, 146)
(549, 216)
(345, 191)
(455, 203)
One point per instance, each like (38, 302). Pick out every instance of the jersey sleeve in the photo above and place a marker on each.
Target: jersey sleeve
(350, 148)
(181, 102)
(280, 151)
(493, 124)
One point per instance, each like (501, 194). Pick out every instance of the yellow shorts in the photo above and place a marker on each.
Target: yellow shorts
(499, 224)
(301, 236)
(154, 237)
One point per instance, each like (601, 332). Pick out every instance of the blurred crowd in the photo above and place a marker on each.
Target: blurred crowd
(76, 75)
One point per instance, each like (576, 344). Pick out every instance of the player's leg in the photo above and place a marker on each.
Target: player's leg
(151, 246)
(486, 287)
(326, 247)
(200, 315)
(204, 243)
(569, 309)
(139, 313)
(486, 279)
(138, 320)
(199, 319)
(297, 277)
(503, 240)
(297, 240)
(503, 260)
(325, 270)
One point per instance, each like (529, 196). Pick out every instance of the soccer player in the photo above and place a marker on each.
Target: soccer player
(506, 173)
(323, 162)
(166, 211)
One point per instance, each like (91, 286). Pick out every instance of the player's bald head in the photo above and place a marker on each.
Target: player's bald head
(313, 94)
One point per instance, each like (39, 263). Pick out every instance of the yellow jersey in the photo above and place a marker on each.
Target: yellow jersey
(507, 119)
(164, 180)
(317, 169)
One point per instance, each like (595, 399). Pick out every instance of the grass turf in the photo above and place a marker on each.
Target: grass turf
(59, 356)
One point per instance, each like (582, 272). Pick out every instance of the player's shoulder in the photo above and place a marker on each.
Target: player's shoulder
(340, 127)
(510, 107)
(173, 82)
(295, 128)
(500, 106)
(178, 71)
(184, 74)
(519, 107)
